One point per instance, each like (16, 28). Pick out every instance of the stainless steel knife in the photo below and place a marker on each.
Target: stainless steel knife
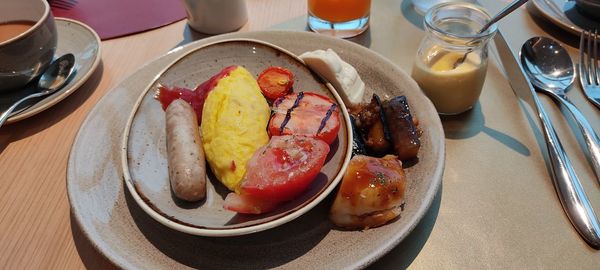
(570, 192)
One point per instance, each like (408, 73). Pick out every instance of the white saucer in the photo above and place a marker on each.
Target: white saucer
(564, 14)
(73, 37)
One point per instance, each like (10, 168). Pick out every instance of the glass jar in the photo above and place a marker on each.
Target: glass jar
(422, 6)
(451, 32)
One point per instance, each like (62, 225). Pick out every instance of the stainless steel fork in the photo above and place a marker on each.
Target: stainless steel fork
(63, 4)
(589, 73)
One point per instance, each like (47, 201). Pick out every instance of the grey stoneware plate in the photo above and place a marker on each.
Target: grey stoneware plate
(73, 37)
(144, 154)
(107, 214)
(565, 14)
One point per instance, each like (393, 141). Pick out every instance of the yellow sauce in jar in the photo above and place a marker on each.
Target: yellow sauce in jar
(452, 90)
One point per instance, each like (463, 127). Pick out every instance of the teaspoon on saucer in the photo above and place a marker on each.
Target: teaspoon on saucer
(53, 79)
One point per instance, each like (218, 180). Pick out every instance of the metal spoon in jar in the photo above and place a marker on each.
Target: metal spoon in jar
(53, 79)
(507, 10)
(551, 71)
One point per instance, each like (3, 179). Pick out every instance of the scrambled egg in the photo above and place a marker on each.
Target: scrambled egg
(234, 121)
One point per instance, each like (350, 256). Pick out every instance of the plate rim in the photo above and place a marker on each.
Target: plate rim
(63, 93)
(569, 27)
(227, 232)
(100, 243)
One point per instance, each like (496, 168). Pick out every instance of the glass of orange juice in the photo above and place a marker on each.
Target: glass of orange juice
(339, 18)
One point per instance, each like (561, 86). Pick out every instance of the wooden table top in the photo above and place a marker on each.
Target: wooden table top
(37, 230)
(35, 223)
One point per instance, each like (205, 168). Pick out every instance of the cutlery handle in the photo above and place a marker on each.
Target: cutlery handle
(8, 111)
(507, 10)
(589, 135)
(568, 187)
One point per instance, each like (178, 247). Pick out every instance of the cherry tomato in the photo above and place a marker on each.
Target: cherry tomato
(275, 82)
(310, 114)
(278, 172)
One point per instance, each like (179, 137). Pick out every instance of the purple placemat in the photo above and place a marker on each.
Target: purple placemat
(115, 18)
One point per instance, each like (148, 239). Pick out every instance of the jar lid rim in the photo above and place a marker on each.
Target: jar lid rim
(485, 34)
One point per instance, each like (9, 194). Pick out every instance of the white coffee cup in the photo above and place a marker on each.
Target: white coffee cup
(216, 16)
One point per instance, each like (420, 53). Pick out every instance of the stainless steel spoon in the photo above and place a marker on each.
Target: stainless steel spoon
(53, 79)
(507, 10)
(551, 71)
(568, 187)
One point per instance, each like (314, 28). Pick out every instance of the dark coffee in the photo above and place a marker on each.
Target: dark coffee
(12, 29)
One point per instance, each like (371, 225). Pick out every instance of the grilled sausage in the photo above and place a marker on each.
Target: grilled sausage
(187, 166)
